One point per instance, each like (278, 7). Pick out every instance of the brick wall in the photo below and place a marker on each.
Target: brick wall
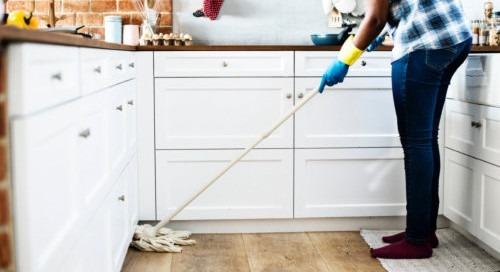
(91, 12)
(6, 237)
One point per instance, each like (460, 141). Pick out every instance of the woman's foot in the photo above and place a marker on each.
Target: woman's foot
(432, 240)
(199, 13)
(403, 250)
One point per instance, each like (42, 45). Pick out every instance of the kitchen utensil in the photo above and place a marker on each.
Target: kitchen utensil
(335, 18)
(331, 39)
(156, 238)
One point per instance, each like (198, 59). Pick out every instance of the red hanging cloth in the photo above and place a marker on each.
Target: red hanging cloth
(211, 8)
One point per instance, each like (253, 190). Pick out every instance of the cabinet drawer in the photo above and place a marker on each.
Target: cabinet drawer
(475, 80)
(356, 113)
(41, 76)
(223, 64)
(314, 63)
(221, 113)
(349, 182)
(259, 186)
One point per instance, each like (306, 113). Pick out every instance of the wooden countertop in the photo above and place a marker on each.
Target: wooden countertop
(11, 34)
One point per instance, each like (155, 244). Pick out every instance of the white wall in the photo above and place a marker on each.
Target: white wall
(268, 22)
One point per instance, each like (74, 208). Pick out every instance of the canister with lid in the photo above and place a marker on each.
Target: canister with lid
(113, 29)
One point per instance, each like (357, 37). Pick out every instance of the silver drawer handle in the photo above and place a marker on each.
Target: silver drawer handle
(131, 65)
(130, 102)
(119, 67)
(98, 69)
(85, 133)
(120, 108)
(225, 64)
(288, 95)
(57, 76)
(121, 198)
(363, 63)
(301, 95)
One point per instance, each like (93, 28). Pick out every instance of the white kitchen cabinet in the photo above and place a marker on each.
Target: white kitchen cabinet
(471, 195)
(72, 163)
(473, 129)
(349, 182)
(357, 113)
(259, 186)
(201, 113)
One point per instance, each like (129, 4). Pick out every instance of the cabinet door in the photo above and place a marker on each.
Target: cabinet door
(46, 196)
(116, 111)
(488, 223)
(259, 186)
(357, 113)
(473, 130)
(349, 182)
(460, 190)
(130, 104)
(461, 131)
(200, 113)
(119, 221)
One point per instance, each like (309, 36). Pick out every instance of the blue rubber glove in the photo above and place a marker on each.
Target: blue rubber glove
(376, 43)
(334, 74)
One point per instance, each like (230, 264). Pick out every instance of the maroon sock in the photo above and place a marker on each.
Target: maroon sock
(403, 250)
(433, 240)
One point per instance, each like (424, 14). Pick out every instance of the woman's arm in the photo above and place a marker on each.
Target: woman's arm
(373, 23)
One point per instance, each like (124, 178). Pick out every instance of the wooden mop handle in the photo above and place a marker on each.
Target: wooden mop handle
(166, 220)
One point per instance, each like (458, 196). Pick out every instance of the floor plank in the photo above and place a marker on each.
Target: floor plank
(282, 252)
(345, 251)
(213, 252)
(146, 261)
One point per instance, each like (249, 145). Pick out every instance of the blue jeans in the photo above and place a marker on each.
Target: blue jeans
(420, 81)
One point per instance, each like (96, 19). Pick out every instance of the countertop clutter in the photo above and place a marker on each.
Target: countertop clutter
(12, 34)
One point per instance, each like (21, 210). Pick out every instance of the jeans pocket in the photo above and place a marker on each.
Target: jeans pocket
(439, 59)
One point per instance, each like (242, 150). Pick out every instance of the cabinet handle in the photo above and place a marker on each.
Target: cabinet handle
(98, 69)
(85, 134)
(363, 63)
(131, 65)
(225, 64)
(476, 124)
(120, 108)
(301, 95)
(130, 102)
(288, 95)
(121, 198)
(57, 76)
(119, 67)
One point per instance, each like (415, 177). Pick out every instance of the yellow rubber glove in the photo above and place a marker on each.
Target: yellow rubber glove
(338, 69)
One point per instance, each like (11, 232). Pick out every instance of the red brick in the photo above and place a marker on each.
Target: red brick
(19, 5)
(165, 5)
(89, 19)
(4, 208)
(66, 19)
(5, 251)
(76, 6)
(103, 6)
(127, 6)
(43, 7)
(165, 19)
(3, 130)
(136, 19)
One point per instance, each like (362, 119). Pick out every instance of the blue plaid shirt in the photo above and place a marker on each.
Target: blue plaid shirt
(426, 24)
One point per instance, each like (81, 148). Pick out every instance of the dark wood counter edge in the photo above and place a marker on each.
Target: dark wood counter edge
(10, 34)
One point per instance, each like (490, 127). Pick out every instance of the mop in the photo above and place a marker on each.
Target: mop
(160, 239)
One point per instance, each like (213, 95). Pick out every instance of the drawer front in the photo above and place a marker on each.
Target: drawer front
(223, 64)
(41, 76)
(314, 63)
(475, 81)
(95, 69)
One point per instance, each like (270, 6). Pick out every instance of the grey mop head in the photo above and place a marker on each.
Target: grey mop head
(166, 240)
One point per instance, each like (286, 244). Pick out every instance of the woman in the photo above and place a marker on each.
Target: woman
(431, 40)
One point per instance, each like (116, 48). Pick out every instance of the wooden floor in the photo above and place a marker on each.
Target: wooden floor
(311, 251)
